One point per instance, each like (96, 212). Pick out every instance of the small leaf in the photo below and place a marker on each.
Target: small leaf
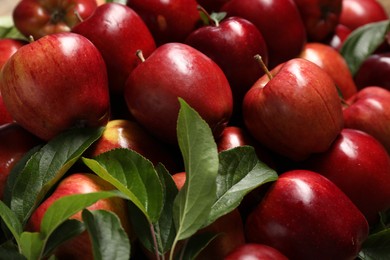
(11, 221)
(376, 246)
(195, 245)
(31, 245)
(362, 42)
(109, 239)
(133, 175)
(193, 203)
(217, 17)
(47, 166)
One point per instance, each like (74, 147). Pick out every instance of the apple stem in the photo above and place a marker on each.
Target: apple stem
(31, 38)
(140, 55)
(210, 20)
(78, 16)
(264, 67)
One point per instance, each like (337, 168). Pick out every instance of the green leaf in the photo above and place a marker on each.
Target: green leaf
(31, 245)
(9, 251)
(217, 17)
(195, 245)
(47, 166)
(133, 175)
(376, 246)
(109, 239)
(240, 171)
(193, 203)
(362, 42)
(11, 221)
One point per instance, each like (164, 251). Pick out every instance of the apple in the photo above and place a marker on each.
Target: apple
(320, 17)
(306, 216)
(337, 39)
(54, 83)
(369, 111)
(232, 43)
(8, 47)
(176, 70)
(294, 110)
(38, 18)
(356, 13)
(168, 20)
(5, 116)
(333, 63)
(15, 142)
(374, 71)
(118, 32)
(212, 5)
(255, 251)
(79, 247)
(280, 23)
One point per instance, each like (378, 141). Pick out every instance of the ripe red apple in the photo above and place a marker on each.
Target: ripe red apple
(176, 70)
(232, 43)
(54, 83)
(39, 18)
(118, 32)
(306, 216)
(79, 247)
(337, 39)
(356, 13)
(374, 71)
(9, 46)
(333, 63)
(5, 116)
(168, 20)
(15, 142)
(255, 251)
(295, 111)
(320, 17)
(360, 166)
(369, 111)
(279, 21)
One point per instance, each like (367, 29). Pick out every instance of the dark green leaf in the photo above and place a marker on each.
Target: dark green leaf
(11, 221)
(47, 166)
(31, 245)
(240, 171)
(362, 42)
(9, 251)
(193, 203)
(133, 175)
(109, 239)
(377, 246)
(195, 245)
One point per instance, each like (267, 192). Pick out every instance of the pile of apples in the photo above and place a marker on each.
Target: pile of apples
(195, 129)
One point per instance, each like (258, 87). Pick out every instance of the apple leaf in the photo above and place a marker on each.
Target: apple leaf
(240, 171)
(195, 245)
(9, 251)
(47, 166)
(376, 246)
(193, 202)
(132, 174)
(109, 239)
(11, 221)
(31, 245)
(362, 42)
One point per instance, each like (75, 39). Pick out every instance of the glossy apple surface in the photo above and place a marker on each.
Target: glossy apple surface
(284, 36)
(306, 216)
(333, 63)
(296, 113)
(374, 71)
(54, 83)
(38, 18)
(118, 32)
(255, 251)
(178, 70)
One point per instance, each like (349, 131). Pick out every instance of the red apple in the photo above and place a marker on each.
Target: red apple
(5, 116)
(15, 142)
(118, 32)
(256, 252)
(232, 43)
(374, 71)
(55, 83)
(320, 17)
(8, 47)
(306, 216)
(168, 20)
(38, 18)
(337, 39)
(295, 113)
(356, 13)
(279, 21)
(334, 64)
(369, 111)
(79, 247)
(176, 70)
(212, 5)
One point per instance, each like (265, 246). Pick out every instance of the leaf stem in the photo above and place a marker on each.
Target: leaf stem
(155, 245)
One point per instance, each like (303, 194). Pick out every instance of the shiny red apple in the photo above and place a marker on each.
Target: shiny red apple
(256, 252)
(8, 46)
(374, 71)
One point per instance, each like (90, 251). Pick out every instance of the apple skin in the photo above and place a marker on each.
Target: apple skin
(232, 44)
(320, 17)
(356, 13)
(8, 47)
(168, 20)
(283, 113)
(306, 216)
(374, 71)
(333, 63)
(15, 142)
(255, 251)
(118, 32)
(290, 38)
(39, 18)
(369, 111)
(51, 77)
(79, 247)
(5, 116)
(178, 70)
